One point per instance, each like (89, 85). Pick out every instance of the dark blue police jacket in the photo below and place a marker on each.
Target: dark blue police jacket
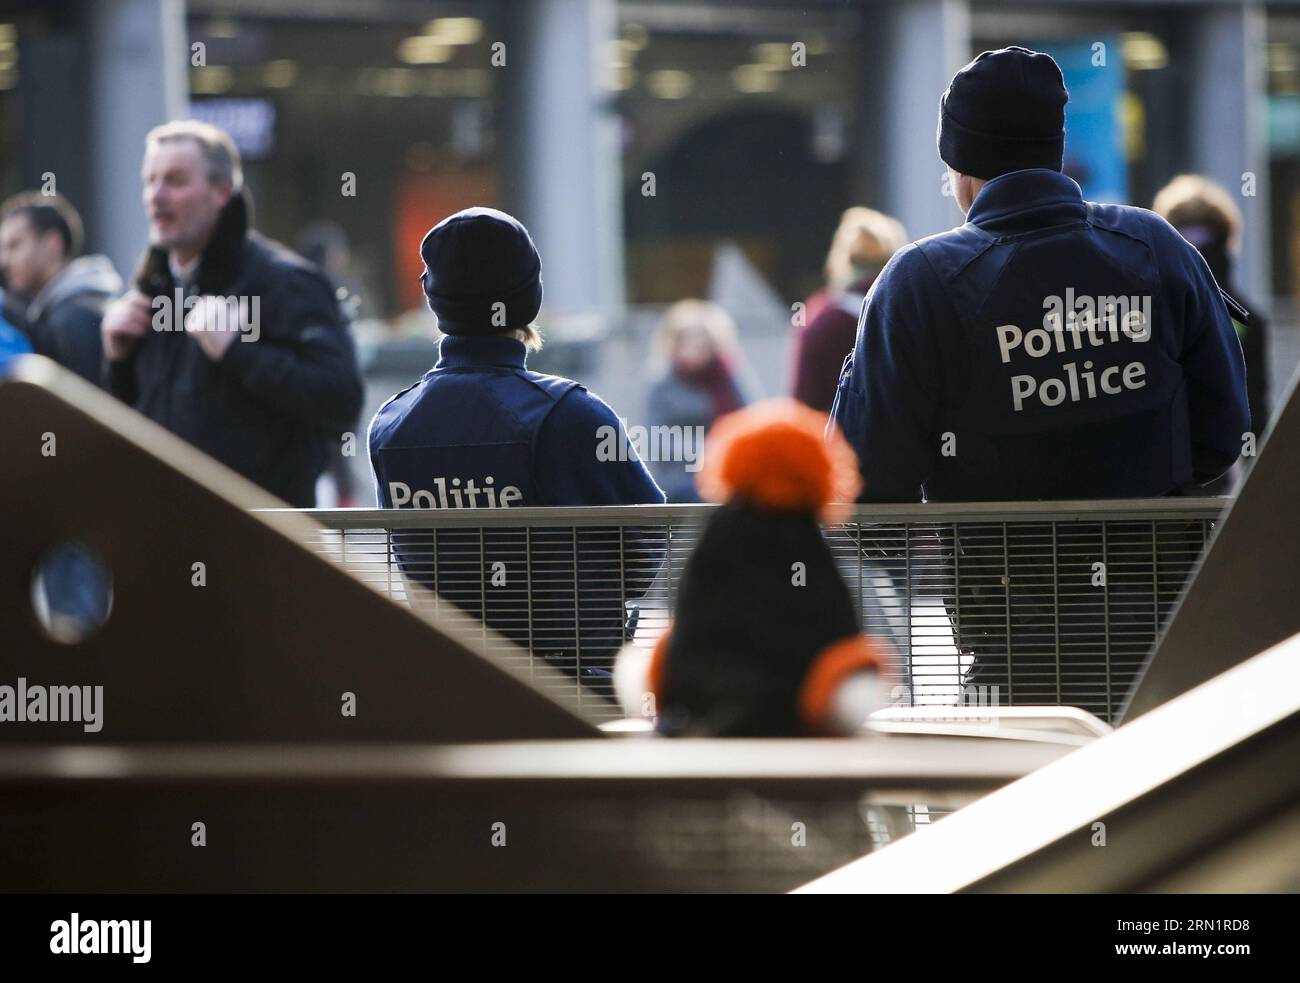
(480, 431)
(1049, 348)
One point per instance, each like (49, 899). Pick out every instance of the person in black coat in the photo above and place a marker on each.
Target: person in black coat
(64, 294)
(228, 339)
(1207, 217)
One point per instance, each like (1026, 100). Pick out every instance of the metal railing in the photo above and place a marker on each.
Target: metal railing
(985, 603)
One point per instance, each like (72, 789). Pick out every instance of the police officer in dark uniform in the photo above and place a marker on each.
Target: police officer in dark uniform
(481, 431)
(1049, 348)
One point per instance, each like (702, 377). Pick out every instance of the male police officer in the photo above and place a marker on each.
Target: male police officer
(1048, 348)
(482, 431)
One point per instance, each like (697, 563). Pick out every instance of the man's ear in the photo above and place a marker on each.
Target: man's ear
(225, 191)
(51, 247)
(963, 190)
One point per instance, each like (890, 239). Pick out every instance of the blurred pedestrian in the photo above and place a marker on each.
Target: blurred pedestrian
(697, 340)
(1206, 216)
(837, 273)
(863, 244)
(227, 338)
(65, 293)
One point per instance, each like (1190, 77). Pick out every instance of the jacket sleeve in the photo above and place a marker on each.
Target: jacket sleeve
(75, 328)
(302, 362)
(1213, 368)
(889, 390)
(819, 354)
(381, 500)
(1254, 347)
(119, 377)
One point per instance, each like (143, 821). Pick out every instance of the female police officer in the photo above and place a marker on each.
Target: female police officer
(482, 431)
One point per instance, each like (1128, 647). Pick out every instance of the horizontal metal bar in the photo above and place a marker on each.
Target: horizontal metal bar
(882, 760)
(883, 513)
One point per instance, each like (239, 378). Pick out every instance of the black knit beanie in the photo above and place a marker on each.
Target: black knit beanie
(1003, 112)
(482, 274)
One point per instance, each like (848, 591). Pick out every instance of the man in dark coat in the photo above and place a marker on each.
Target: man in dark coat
(228, 339)
(65, 294)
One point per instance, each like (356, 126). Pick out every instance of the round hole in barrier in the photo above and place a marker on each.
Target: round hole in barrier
(72, 592)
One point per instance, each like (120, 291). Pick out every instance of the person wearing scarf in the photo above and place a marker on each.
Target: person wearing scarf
(697, 340)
